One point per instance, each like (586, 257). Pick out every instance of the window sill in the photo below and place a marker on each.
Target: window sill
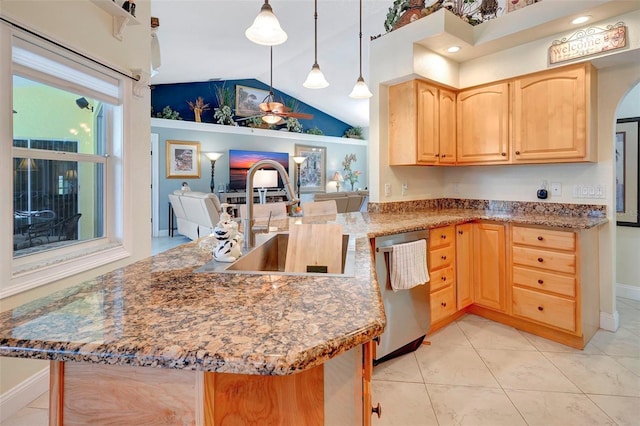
(28, 276)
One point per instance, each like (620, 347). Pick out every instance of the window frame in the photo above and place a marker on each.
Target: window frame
(28, 272)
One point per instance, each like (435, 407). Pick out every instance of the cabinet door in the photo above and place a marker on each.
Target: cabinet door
(489, 266)
(447, 108)
(483, 124)
(428, 128)
(464, 265)
(403, 134)
(551, 115)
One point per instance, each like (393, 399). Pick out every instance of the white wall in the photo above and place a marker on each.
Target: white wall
(87, 29)
(627, 238)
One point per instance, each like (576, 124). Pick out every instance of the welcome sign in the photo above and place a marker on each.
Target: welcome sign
(588, 42)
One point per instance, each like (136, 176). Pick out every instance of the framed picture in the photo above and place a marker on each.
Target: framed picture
(627, 159)
(248, 100)
(183, 159)
(313, 170)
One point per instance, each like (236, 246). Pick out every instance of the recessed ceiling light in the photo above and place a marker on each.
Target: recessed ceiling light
(453, 49)
(581, 20)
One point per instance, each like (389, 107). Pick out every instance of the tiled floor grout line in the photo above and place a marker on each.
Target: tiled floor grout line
(494, 376)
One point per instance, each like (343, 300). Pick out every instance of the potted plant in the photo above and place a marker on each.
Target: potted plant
(353, 133)
(293, 125)
(168, 113)
(315, 131)
(223, 114)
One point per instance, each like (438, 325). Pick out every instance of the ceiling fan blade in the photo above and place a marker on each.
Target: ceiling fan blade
(249, 118)
(297, 115)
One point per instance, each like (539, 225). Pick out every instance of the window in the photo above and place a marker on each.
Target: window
(67, 165)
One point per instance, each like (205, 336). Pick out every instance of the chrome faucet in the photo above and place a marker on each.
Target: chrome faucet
(249, 236)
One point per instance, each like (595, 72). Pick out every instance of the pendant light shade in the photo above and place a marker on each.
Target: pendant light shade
(266, 29)
(360, 90)
(315, 79)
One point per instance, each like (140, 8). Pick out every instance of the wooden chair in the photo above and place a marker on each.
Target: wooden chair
(318, 208)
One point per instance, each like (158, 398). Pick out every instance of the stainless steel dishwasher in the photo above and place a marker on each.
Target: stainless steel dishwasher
(407, 311)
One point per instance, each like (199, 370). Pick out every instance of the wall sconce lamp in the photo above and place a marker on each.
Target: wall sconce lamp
(266, 29)
(213, 157)
(298, 161)
(83, 103)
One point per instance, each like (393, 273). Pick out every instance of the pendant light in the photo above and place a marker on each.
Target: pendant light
(360, 90)
(315, 79)
(266, 29)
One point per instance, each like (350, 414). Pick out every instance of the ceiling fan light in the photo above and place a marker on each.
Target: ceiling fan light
(266, 29)
(360, 90)
(315, 79)
(271, 118)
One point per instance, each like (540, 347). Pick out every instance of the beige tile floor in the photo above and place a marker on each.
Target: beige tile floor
(478, 372)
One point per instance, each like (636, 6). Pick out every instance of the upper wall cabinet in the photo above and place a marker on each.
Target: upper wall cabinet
(546, 117)
(483, 124)
(552, 115)
(421, 124)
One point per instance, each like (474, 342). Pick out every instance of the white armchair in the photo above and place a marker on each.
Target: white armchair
(197, 213)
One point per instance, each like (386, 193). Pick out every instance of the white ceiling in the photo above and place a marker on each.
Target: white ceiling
(202, 40)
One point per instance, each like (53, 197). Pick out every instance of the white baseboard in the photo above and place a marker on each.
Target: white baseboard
(628, 291)
(163, 233)
(609, 322)
(18, 397)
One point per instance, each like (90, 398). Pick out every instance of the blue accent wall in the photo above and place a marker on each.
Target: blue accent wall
(178, 94)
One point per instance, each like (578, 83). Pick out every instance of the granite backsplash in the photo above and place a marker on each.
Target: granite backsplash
(562, 209)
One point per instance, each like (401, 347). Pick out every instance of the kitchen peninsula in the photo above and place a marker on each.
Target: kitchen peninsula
(160, 344)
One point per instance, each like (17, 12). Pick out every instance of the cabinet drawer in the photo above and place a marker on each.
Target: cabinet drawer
(442, 236)
(544, 238)
(442, 277)
(545, 308)
(443, 303)
(537, 279)
(554, 261)
(441, 257)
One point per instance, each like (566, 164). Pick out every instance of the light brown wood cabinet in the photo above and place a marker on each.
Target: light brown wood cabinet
(544, 117)
(553, 282)
(489, 266)
(553, 115)
(483, 125)
(464, 265)
(422, 125)
(442, 261)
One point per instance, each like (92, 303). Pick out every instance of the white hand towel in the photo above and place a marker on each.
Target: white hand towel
(408, 265)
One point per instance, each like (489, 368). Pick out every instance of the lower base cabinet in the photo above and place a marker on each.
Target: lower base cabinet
(541, 280)
(337, 392)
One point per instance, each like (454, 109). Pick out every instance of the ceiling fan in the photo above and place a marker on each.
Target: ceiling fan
(272, 111)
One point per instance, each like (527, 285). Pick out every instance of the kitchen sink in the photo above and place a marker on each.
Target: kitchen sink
(269, 258)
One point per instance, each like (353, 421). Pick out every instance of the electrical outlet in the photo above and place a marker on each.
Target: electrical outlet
(405, 188)
(387, 189)
(556, 189)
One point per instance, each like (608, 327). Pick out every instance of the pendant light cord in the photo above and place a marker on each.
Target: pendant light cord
(360, 37)
(315, 18)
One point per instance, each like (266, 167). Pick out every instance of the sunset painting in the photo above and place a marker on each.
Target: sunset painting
(241, 161)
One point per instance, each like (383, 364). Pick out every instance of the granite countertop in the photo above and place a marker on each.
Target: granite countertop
(159, 313)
